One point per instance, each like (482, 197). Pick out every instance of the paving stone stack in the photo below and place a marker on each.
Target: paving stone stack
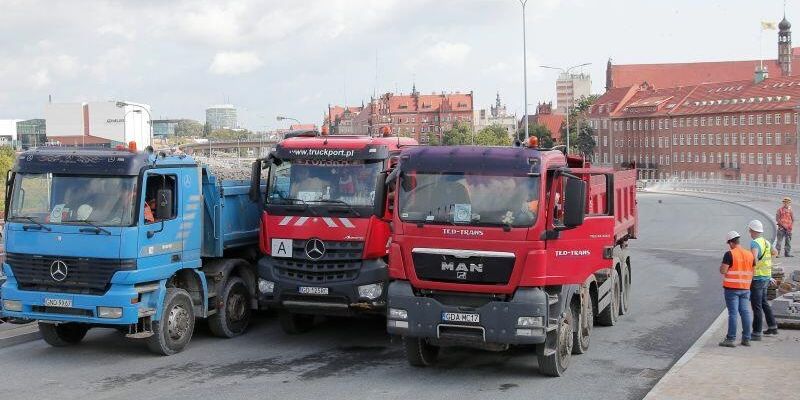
(786, 305)
(773, 290)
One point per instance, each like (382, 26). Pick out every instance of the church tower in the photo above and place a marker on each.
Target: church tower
(785, 46)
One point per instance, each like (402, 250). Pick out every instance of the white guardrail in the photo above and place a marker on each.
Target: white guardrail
(761, 190)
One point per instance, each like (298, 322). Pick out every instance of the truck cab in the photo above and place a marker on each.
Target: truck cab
(500, 246)
(324, 232)
(135, 241)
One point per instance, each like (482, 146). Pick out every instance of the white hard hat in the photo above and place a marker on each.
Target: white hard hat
(732, 235)
(756, 226)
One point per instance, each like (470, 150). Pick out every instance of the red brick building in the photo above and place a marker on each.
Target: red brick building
(415, 115)
(544, 116)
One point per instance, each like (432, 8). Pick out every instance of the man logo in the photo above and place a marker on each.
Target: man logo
(461, 268)
(315, 249)
(58, 270)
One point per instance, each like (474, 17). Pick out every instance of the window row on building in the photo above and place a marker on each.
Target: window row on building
(652, 124)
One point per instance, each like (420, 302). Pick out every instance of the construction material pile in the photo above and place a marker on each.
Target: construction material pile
(786, 300)
(227, 167)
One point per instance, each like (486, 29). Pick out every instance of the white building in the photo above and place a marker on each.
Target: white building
(222, 116)
(8, 131)
(495, 115)
(570, 88)
(98, 123)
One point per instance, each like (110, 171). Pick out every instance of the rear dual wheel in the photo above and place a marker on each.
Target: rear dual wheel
(233, 317)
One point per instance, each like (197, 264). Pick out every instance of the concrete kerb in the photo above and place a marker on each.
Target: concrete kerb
(721, 319)
(11, 335)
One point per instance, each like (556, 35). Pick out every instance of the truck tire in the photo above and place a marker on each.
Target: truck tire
(62, 335)
(419, 352)
(584, 321)
(555, 364)
(294, 324)
(173, 332)
(233, 316)
(625, 301)
(610, 315)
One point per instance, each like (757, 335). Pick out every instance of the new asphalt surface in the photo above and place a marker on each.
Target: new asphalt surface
(676, 295)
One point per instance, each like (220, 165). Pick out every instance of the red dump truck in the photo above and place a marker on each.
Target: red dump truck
(493, 247)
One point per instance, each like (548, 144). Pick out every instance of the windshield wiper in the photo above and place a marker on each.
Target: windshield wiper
(295, 202)
(340, 202)
(29, 218)
(97, 228)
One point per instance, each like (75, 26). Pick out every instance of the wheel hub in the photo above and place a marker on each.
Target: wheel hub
(177, 322)
(236, 307)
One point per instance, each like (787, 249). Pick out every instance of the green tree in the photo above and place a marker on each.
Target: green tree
(228, 134)
(7, 157)
(188, 127)
(460, 133)
(540, 131)
(581, 135)
(494, 135)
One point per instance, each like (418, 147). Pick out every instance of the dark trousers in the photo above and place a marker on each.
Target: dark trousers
(761, 308)
(784, 236)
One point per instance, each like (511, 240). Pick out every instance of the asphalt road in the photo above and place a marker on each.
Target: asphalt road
(676, 295)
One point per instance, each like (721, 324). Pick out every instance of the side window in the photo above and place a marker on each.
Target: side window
(161, 193)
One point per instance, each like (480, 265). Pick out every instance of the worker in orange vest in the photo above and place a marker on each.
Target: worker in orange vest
(737, 274)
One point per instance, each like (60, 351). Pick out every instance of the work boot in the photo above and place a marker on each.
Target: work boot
(771, 331)
(788, 255)
(756, 338)
(727, 343)
(746, 342)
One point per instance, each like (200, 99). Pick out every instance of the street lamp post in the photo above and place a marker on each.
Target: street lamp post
(566, 72)
(122, 104)
(525, 67)
(281, 118)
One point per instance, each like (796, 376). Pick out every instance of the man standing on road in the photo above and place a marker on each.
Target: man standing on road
(785, 219)
(762, 275)
(737, 274)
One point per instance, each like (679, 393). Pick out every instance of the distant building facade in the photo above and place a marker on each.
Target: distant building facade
(98, 123)
(8, 132)
(164, 127)
(31, 133)
(570, 88)
(222, 116)
(547, 118)
(495, 115)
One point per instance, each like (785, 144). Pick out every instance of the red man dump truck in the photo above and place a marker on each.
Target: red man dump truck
(493, 247)
(324, 232)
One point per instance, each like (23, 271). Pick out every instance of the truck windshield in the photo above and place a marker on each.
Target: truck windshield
(470, 199)
(324, 183)
(69, 199)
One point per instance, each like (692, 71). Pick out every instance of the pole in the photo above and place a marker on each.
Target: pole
(568, 129)
(525, 67)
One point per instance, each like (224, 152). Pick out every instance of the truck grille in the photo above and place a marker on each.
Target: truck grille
(340, 262)
(84, 275)
(473, 270)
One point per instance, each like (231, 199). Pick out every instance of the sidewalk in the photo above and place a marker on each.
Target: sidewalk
(767, 369)
(11, 334)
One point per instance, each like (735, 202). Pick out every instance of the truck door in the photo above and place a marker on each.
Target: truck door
(585, 249)
(160, 241)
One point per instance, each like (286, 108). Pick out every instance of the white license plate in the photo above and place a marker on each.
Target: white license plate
(58, 303)
(313, 290)
(461, 317)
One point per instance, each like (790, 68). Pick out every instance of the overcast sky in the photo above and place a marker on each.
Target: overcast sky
(295, 57)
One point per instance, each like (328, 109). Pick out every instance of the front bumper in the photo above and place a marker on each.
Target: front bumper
(342, 298)
(498, 319)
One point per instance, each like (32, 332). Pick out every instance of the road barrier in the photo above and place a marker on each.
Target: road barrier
(758, 190)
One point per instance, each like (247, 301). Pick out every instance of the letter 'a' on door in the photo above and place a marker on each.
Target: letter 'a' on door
(282, 248)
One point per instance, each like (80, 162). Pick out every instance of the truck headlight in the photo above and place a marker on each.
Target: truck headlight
(265, 286)
(12, 305)
(530, 321)
(371, 291)
(398, 313)
(109, 312)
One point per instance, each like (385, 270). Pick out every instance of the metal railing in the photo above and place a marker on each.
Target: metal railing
(761, 190)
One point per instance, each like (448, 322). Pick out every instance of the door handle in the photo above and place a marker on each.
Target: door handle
(176, 257)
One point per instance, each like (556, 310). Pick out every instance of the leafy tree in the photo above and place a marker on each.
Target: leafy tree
(7, 157)
(229, 134)
(494, 135)
(540, 131)
(580, 133)
(188, 127)
(460, 133)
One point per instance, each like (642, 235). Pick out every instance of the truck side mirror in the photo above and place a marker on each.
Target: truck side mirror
(574, 202)
(380, 195)
(255, 182)
(164, 204)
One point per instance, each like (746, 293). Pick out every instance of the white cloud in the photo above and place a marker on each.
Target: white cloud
(235, 63)
(449, 53)
(118, 30)
(40, 78)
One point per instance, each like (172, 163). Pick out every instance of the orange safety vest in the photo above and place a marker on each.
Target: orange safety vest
(740, 274)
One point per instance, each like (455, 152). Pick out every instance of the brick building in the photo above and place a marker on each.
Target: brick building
(414, 115)
(544, 116)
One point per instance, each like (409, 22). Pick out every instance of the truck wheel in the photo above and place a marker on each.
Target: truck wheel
(293, 324)
(555, 364)
(233, 317)
(419, 352)
(610, 315)
(62, 335)
(584, 321)
(173, 332)
(625, 304)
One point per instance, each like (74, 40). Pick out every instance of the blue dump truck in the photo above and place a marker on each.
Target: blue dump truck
(140, 242)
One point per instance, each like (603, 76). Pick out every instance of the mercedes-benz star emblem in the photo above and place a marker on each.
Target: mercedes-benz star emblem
(58, 270)
(315, 249)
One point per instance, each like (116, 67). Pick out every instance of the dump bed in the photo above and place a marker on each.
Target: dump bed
(230, 219)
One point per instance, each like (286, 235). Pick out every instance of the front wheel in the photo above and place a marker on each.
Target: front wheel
(419, 352)
(233, 317)
(62, 335)
(556, 363)
(173, 332)
(293, 324)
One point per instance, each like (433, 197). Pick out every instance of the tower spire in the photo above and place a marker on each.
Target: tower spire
(785, 45)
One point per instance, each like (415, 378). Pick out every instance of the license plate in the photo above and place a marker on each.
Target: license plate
(313, 290)
(461, 317)
(58, 303)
